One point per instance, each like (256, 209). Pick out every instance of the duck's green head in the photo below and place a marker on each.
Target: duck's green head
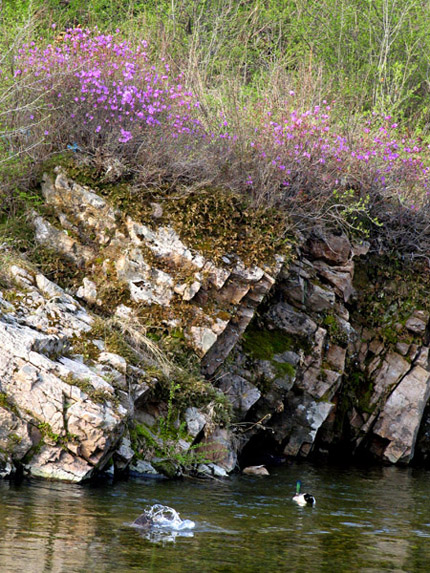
(298, 485)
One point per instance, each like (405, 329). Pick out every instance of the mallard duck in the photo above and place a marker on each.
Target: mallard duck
(303, 498)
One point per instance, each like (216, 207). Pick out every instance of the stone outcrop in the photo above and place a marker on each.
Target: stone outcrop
(309, 373)
(157, 267)
(297, 352)
(69, 413)
(387, 422)
(59, 418)
(330, 383)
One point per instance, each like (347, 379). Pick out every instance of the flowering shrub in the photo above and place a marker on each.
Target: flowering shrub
(90, 90)
(94, 92)
(304, 161)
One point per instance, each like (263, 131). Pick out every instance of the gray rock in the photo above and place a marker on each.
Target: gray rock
(124, 312)
(294, 290)
(82, 372)
(287, 357)
(47, 287)
(218, 471)
(21, 276)
(6, 469)
(203, 338)
(147, 284)
(319, 299)
(165, 243)
(402, 348)
(242, 394)
(339, 277)
(217, 276)
(123, 454)
(283, 316)
(143, 467)
(157, 210)
(301, 422)
(88, 291)
(115, 360)
(188, 291)
(195, 420)
(335, 249)
(46, 234)
(320, 383)
(400, 418)
(211, 470)
(417, 323)
(253, 274)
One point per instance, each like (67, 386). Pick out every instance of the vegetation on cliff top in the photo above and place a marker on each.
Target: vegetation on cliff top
(234, 95)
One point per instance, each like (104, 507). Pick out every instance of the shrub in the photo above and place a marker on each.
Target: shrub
(88, 90)
(102, 95)
(305, 162)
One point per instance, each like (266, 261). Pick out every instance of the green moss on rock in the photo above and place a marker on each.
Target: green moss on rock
(335, 331)
(389, 289)
(284, 369)
(263, 344)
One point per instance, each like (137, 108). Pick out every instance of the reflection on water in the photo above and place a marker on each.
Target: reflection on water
(366, 520)
(164, 535)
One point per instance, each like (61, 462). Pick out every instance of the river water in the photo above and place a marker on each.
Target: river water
(366, 519)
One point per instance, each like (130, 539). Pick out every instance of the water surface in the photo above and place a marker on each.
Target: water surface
(366, 519)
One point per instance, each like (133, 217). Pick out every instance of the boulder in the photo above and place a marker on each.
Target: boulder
(417, 323)
(284, 316)
(143, 467)
(241, 393)
(399, 420)
(219, 448)
(334, 249)
(211, 470)
(195, 420)
(255, 471)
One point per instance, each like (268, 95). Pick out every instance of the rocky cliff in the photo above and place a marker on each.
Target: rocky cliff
(154, 354)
